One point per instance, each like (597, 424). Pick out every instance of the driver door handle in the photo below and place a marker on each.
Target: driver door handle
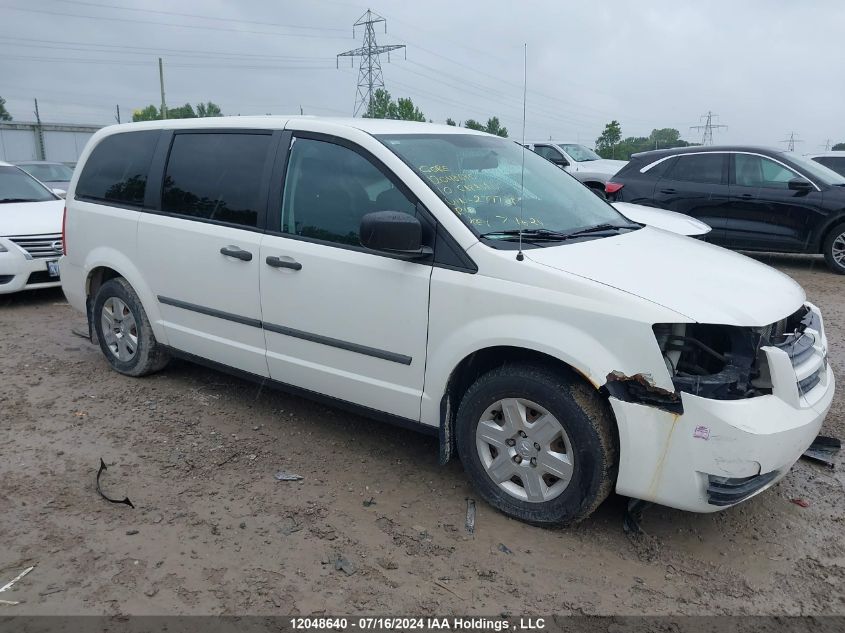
(670, 190)
(237, 253)
(278, 262)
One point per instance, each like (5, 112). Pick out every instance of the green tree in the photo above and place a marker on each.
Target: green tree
(379, 107)
(472, 124)
(450, 122)
(494, 127)
(606, 143)
(182, 112)
(839, 147)
(382, 106)
(208, 109)
(406, 111)
(150, 113)
(4, 113)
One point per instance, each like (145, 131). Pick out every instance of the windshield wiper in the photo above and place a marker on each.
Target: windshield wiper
(17, 200)
(529, 234)
(602, 227)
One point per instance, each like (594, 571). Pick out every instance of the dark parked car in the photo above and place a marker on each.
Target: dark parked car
(755, 199)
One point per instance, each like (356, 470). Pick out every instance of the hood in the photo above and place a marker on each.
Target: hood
(31, 218)
(701, 281)
(663, 219)
(603, 166)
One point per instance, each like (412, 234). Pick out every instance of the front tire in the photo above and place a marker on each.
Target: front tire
(537, 445)
(834, 249)
(123, 330)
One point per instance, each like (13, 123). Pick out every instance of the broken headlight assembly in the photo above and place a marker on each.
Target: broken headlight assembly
(725, 362)
(713, 361)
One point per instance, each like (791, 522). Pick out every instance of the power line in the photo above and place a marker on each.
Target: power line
(370, 77)
(791, 141)
(169, 24)
(201, 17)
(708, 127)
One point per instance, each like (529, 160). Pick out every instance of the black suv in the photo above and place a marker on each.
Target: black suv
(754, 198)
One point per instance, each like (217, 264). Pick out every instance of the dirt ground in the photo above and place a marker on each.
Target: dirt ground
(213, 532)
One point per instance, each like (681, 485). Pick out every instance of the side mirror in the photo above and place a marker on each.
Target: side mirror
(393, 233)
(560, 162)
(799, 184)
(59, 192)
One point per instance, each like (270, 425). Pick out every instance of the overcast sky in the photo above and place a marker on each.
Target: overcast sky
(766, 67)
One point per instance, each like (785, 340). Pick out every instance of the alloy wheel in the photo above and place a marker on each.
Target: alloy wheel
(120, 329)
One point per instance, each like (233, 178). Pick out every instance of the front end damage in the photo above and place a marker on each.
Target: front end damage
(746, 403)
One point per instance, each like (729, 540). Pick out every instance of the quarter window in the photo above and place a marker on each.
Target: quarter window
(329, 188)
(756, 171)
(216, 177)
(703, 168)
(117, 169)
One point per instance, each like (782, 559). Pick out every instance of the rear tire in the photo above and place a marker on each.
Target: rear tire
(557, 463)
(599, 191)
(124, 332)
(834, 249)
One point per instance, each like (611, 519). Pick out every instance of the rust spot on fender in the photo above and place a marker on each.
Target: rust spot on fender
(640, 388)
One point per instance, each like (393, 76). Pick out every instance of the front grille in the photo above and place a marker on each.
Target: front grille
(4, 279)
(792, 336)
(40, 246)
(726, 491)
(40, 277)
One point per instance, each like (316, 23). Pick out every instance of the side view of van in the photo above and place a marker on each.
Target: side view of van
(456, 283)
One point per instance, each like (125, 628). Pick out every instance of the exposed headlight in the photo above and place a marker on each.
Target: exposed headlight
(714, 361)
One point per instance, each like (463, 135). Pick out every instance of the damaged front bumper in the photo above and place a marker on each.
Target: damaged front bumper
(704, 454)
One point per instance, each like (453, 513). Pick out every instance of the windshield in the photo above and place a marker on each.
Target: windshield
(579, 153)
(17, 186)
(478, 177)
(49, 172)
(817, 171)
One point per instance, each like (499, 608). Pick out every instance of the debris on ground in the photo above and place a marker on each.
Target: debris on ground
(823, 450)
(470, 523)
(103, 495)
(131, 532)
(284, 475)
(369, 502)
(801, 502)
(9, 585)
(341, 564)
(504, 548)
(634, 515)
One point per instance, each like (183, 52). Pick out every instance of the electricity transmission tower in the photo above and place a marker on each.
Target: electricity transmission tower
(826, 146)
(708, 126)
(791, 141)
(370, 77)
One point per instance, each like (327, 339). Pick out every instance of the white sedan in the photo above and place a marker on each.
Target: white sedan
(30, 232)
(662, 219)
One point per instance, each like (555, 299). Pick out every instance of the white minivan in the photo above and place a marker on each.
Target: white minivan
(453, 282)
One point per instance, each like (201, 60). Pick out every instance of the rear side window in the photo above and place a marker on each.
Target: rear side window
(703, 168)
(216, 177)
(118, 167)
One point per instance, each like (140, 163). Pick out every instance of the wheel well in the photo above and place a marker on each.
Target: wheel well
(98, 277)
(826, 233)
(479, 363)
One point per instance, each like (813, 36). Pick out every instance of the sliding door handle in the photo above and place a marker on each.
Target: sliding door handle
(278, 262)
(237, 253)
